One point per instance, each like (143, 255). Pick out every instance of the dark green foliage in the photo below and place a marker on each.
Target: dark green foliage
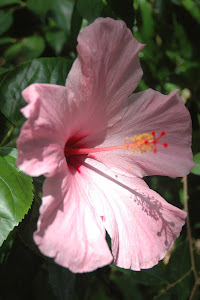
(4, 3)
(12, 83)
(196, 169)
(90, 9)
(38, 41)
(62, 281)
(6, 20)
(40, 7)
(124, 10)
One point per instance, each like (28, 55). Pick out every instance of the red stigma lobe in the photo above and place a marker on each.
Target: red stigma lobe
(156, 140)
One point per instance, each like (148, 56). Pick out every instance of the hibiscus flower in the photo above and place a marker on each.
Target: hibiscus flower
(94, 141)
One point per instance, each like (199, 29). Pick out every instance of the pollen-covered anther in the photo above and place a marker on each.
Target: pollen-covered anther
(144, 143)
(139, 143)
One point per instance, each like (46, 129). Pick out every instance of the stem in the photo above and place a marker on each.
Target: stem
(186, 198)
(10, 131)
(193, 267)
(171, 285)
(193, 290)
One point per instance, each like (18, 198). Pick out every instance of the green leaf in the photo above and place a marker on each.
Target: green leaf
(40, 7)
(90, 9)
(42, 70)
(127, 285)
(7, 40)
(196, 169)
(76, 22)
(164, 297)
(149, 277)
(147, 29)
(3, 70)
(62, 12)
(185, 48)
(193, 8)
(8, 2)
(6, 20)
(29, 224)
(197, 226)
(13, 51)
(56, 40)
(16, 193)
(169, 87)
(29, 48)
(179, 264)
(33, 47)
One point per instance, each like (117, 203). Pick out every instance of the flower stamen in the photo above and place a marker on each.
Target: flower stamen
(144, 142)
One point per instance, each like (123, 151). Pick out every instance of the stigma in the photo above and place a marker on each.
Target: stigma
(145, 142)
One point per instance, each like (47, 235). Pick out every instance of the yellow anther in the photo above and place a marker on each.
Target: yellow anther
(139, 143)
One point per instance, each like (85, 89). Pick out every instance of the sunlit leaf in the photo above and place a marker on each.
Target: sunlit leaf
(15, 192)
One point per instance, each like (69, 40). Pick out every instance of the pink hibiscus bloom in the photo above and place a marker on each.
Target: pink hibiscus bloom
(93, 141)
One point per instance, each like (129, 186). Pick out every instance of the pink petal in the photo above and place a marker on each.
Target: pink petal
(141, 224)
(107, 69)
(54, 116)
(40, 144)
(69, 230)
(149, 111)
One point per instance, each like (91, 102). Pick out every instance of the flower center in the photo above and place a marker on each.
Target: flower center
(144, 142)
